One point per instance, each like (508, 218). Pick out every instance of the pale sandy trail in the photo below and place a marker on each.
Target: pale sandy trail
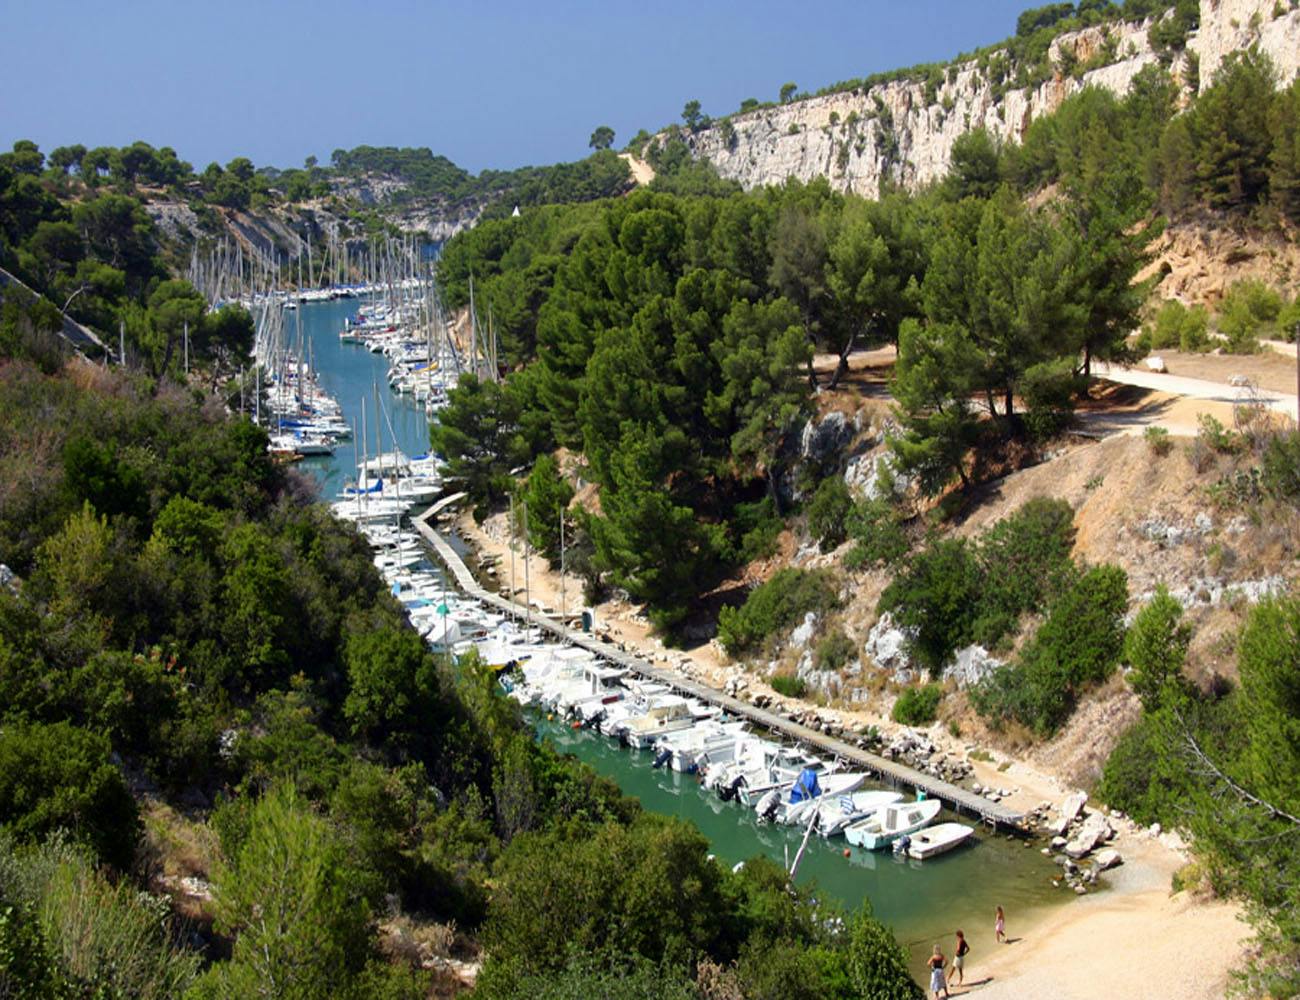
(1215, 392)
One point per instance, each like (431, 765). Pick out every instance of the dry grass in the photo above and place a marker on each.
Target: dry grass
(177, 846)
(423, 943)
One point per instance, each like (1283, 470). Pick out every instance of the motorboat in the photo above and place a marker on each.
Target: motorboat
(807, 792)
(936, 840)
(887, 824)
(835, 812)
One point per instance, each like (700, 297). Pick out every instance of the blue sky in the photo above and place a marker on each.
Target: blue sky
(487, 84)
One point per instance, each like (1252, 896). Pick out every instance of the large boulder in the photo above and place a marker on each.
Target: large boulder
(863, 478)
(824, 439)
(1072, 806)
(1095, 830)
(802, 633)
(887, 645)
(971, 665)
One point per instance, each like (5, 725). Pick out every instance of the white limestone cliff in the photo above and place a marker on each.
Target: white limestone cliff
(891, 131)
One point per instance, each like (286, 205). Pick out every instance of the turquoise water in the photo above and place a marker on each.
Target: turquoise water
(923, 903)
(350, 373)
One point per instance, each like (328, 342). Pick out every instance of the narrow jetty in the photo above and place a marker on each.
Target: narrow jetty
(892, 772)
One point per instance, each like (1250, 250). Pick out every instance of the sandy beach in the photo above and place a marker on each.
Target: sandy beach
(1134, 939)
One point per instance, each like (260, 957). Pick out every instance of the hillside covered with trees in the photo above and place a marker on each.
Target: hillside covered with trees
(202, 677)
(665, 341)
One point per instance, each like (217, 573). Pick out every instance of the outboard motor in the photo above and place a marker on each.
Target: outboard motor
(594, 721)
(768, 805)
(662, 758)
(902, 844)
(728, 792)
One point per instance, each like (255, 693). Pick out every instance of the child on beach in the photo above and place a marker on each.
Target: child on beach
(936, 964)
(1000, 926)
(959, 959)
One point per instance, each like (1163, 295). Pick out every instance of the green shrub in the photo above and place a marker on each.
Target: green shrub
(1127, 779)
(917, 706)
(56, 777)
(1288, 320)
(878, 530)
(1025, 559)
(1280, 467)
(101, 939)
(1049, 391)
(774, 605)
(937, 596)
(599, 974)
(1216, 437)
(548, 495)
(1157, 439)
(834, 651)
(1077, 647)
(788, 685)
(1177, 326)
(954, 592)
(1156, 647)
(757, 527)
(1249, 309)
(828, 512)
(28, 971)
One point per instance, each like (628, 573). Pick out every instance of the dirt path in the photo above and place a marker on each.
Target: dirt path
(642, 172)
(1199, 389)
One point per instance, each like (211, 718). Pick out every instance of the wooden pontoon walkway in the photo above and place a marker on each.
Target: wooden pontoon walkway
(890, 771)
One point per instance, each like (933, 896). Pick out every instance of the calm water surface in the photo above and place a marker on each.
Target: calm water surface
(351, 374)
(923, 903)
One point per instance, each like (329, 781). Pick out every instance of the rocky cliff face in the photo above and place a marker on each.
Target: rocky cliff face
(440, 218)
(899, 132)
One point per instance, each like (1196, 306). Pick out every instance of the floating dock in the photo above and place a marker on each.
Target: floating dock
(890, 771)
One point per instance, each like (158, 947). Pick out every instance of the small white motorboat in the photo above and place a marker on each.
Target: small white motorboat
(886, 825)
(939, 839)
(835, 812)
(807, 793)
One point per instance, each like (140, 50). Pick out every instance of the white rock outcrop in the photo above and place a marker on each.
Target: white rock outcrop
(898, 131)
(887, 645)
(970, 666)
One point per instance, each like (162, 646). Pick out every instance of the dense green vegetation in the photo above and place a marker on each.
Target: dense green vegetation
(775, 605)
(917, 706)
(601, 175)
(184, 616)
(954, 592)
(97, 260)
(1077, 647)
(673, 327)
(186, 628)
(664, 325)
(1222, 766)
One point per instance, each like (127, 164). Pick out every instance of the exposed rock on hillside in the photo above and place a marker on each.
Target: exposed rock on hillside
(897, 131)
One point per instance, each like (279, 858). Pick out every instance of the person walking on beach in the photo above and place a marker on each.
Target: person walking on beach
(1000, 926)
(936, 964)
(959, 959)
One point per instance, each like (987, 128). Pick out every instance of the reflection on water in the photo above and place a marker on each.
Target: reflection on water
(923, 902)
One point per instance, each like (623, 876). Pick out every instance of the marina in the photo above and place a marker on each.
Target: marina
(454, 613)
(892, 772)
